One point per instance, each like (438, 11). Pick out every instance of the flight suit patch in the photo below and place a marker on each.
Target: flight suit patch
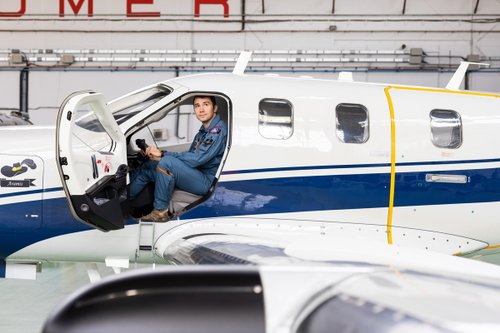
(208, 142)
(215, 130)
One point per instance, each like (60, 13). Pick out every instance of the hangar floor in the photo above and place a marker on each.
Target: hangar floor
(25, 304)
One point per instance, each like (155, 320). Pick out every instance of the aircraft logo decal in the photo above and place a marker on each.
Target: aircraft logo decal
(18, 168)
(15, 170)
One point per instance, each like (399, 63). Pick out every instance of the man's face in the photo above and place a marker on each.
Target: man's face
(204, 109)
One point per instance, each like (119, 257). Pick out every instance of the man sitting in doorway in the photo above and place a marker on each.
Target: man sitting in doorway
(192, 171)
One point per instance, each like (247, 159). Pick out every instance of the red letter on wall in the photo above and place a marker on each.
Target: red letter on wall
(197, 4)
(140, 14)
(20, 13)
(76, 8)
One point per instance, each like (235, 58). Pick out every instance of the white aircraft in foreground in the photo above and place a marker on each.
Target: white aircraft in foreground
(394, 293)
(334, 160)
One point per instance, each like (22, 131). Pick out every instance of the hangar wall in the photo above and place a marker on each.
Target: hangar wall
(109, 42)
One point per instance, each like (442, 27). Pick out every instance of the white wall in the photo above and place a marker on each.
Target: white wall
(49, 89)
(440, 27)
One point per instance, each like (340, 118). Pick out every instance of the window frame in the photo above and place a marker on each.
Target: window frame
(457, 117)
(262, 123)
(359, 106)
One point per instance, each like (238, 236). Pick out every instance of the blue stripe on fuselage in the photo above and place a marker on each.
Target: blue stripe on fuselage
(357, 166)
(269, 196)
(412, 190)
(21, 223)
(293, 194)
(19, 193)
(305, 168)
(316, 193)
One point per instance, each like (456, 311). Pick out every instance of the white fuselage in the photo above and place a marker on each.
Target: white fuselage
(397, 187)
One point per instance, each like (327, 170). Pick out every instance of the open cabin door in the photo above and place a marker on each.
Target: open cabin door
(91, 157)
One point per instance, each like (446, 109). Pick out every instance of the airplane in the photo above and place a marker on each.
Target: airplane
(341, 160)
(14, 117)
(386, 295)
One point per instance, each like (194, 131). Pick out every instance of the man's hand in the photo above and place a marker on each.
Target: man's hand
(153, 153)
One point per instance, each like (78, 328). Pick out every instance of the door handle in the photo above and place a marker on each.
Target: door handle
(445, 178)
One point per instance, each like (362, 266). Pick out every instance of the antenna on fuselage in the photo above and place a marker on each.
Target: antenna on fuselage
(242, 62)
(456, 80)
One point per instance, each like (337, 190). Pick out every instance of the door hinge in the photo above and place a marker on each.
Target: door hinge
(63, 161)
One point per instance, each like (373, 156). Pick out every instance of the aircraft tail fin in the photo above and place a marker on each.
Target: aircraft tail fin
(456, 80)
(242, 62)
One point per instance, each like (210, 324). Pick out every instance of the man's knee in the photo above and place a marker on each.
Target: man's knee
(166, 164)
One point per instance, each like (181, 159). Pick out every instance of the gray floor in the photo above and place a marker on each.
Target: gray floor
(25, 304)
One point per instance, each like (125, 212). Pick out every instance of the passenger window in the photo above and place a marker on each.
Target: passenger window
(275, 118)
(446, 129)
(352, 123)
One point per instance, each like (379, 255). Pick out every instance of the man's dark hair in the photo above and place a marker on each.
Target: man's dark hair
(212, 98)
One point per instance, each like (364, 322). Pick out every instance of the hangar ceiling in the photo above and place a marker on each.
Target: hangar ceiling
(413, 34)
(396, 7)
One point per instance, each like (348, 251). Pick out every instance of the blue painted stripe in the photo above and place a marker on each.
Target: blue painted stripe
(295, 194)
(53, 189)
(337, 192)
(22, 225)
(491, 160)
(317, 167)
(413, 190)
(269, 196)
(15, 194)
(357, 166)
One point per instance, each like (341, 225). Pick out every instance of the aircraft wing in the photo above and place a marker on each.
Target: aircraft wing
(288, 283)
(339, 297)
(256, 240)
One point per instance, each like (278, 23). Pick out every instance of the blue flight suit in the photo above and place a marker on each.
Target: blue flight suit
(191, 171)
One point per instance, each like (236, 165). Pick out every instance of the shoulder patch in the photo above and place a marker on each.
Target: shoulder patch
(215, 130)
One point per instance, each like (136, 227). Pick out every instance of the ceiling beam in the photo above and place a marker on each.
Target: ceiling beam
(475, 8)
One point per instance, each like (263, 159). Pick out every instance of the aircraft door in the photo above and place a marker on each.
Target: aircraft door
(91, 157)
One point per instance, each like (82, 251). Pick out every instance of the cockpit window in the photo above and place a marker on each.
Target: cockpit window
(352, 123)
(89, 134)
(124, 108)
(275, 118)
(128, 106)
